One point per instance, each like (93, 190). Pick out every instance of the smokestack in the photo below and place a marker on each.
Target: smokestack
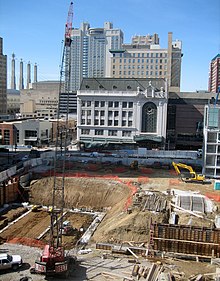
(21, 81)
(28, 74)
(13, 84)
(35, 73)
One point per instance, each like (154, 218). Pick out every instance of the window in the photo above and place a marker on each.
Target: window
(102, 103)
(130, 114)
(110, 114)
(96, 103)
(83, 103)
(112, 133)
(123, 123)
(102, 122)
(7, 137)
(130, 104)
(116, 113)
(116, 104)
(102, 113)
(85, 131)
(123, 113)
(109, 122)
(115, 122)
(88, 103)
(124, 104)
(126, 133)
(110, 104)
(129, 123)
(149, 117)
(96, 113)
(99, 132)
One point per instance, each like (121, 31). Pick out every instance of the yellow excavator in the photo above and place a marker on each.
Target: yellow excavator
(191, 175)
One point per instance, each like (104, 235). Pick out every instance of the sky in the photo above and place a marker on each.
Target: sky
(34, 29)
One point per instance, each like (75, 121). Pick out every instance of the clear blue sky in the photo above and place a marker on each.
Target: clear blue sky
(34, 29)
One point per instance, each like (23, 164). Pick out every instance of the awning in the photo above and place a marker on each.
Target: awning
(148, 138)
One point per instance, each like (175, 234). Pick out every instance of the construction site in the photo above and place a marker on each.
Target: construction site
(109, 217)
(140, 215)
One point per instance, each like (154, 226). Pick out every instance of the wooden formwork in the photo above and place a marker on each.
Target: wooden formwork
(201, 241)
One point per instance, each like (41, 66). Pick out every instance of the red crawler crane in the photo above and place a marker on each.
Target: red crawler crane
(53, 259)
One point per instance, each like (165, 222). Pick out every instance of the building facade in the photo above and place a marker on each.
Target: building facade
(33, 132)
(185, 116)
(3, 80)
(40, 101)
(211, 147)
(13, 102)
(144, 58)
(122, 110)
(214, 74)
(90, 51)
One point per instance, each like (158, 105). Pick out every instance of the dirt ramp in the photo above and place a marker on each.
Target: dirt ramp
(94, 193)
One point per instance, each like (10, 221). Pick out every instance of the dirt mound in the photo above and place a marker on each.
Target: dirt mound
(93, 193)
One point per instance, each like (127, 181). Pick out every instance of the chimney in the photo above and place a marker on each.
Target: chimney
(28, 74)
(35, 73)
(13, 84)
(21, 81)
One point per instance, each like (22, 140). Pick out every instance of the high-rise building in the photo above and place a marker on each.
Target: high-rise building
(144, 58)
(90, 51)
(3, 80)
(214, 74)
(101, 52)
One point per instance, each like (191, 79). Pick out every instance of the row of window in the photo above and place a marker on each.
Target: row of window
(100, 132)
(142, 73)
(145, 55)
(114, 104)
(140, 60)
(141, 66)
(101, 113)
(101, 122)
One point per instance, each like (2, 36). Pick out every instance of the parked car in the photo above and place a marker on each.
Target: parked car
(10, 261)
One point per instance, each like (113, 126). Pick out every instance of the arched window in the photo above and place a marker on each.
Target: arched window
(149, 118)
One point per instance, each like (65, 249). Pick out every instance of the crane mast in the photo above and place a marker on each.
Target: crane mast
(53, 259)
(61, 137)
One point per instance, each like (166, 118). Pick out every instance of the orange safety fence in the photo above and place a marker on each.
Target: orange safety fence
(173, 172)
(146, 170)
(27, 241)
(213, 196)
(143, 180)
(174, 182)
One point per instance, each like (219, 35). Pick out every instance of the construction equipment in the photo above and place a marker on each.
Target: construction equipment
(54, 260)
(191, 175)
(67, 228)
(134, 165)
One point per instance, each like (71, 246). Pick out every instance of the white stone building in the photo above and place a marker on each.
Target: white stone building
(122, 110)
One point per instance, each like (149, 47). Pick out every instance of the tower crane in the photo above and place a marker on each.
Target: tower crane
(54, 259)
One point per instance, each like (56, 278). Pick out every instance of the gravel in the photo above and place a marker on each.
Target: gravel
(89, 266)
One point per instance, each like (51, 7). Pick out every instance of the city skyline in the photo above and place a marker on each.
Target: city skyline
(33, 30)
